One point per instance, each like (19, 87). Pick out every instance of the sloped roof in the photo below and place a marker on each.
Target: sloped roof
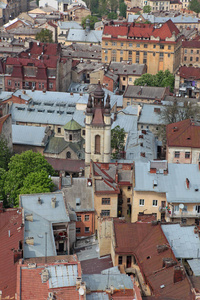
(72, 125)
(191, 44)
(142, 240)
(185, 133)
(2, 120)
(66, 165)
(10, 221)
(189, 73)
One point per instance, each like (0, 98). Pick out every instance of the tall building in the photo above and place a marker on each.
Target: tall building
(157, 46)
(98, 128)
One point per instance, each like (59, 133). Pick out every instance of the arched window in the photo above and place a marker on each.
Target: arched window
(70, 137)
(68, 155)
(97, 144)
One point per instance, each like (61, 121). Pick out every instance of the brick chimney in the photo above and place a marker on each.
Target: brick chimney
(187, 183)
(60, 182)
(178, 274)
(1, 207)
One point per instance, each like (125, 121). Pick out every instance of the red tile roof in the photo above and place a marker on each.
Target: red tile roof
(185, 133)
(141, 240)
(142, 30)
(189, 73)
(191, 44)
(17, 72)
(2, 120)
(66, 165)
(10, 220)
(47, 48)
(49, 63)
(30, 286)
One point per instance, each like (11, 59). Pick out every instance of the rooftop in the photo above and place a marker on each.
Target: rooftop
(28, 135)
(145, 92)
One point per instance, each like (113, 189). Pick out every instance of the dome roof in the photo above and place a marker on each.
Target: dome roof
(72, 125)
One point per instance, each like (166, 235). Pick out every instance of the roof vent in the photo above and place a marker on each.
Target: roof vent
(30, 240)
(162, 248)
(168, 262)
(155, 183)
(39, 201)
(53, 202)
(32, 265)
(45, 275)
(78, 201)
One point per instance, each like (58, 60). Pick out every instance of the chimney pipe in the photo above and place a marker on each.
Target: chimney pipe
(187, 183)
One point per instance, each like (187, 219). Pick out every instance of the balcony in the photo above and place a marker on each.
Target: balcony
(184, 214)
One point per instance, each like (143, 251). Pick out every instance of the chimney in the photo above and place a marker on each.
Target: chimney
(162, 248)
(142, 154)
(168, 262)
(1, 207)
(60, 182)
(53, 202)
(178, 274)
(45, 275)
(78, 282)
(144, 131)
(29, 217)
(116, 176)
(39, 201)
(187, 183)
(18, 254)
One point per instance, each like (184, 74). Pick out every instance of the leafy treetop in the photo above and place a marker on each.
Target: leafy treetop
(93, 20)
(44, 36)
(117, 141)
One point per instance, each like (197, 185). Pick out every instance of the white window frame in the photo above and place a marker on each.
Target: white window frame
(141, 202)
(153, 203)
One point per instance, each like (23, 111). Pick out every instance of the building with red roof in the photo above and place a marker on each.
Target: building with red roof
(11, 236)
(153, 45)
(143, 250)
(190, 53)
(50, 278)
(183, 142)
(40, 67)
(187, 81)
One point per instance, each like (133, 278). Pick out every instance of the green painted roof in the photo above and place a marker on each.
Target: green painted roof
(72, 125)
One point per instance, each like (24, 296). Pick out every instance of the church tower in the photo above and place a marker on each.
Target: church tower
(98, 128)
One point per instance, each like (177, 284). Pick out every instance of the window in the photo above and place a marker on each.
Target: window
(122, 44)
(137, 60)
(191, 52)
(155, 202)
(9, 82)
(187, 154)
(137, 45)
(141, 202)
(176, 207)
(33, 84)
(78, 229)
(191, 58)
(137, 53)
(120, 260)
(43, 85)
(70, 137)
(129, 52)
(185, 58)
(106, 58)
(145, 46)
(128, 200)
(121, 52)
(185, 208)
(113, 58)
(154, 46)
(105, 213)
(129, 188)
(177, 154)
(106, 43)
(130, 45)
(162, 46)
(50, 85)
(113, 43)
(169, 47)
(124, 78)
(87, 229)
(197, 59)
(144, 60)
(68, 155)
(105, 51)
(87, 217)
(79, 218)
(83, 132)
(185, 51)
(15, 83)
(97, 144)
(154, 54)
(130, 79)
(168, 54)
(105, 201)
(59, 129)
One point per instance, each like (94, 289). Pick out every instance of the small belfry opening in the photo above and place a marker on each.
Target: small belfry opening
(97, 144)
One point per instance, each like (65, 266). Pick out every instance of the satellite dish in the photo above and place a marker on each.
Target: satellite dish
(81, 291)
(89, 183)
(181, 206)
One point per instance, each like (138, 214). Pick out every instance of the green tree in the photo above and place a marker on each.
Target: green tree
(147, 9)
(44, 36)
(194, 5)
(112, 15)
(161, 79)
(18, 178)
(117, 141)
(122, 9)
(93, 20)
(5, 154)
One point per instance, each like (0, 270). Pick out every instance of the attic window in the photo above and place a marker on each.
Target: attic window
(30, 109)
(20, 108)
(50, 111)
(72, 105)
(41, 110)
(60, 112)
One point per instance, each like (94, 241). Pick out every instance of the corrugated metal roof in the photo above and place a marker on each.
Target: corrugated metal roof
(183, 241)
(97, 296)
(62, 275)
(69, 25)
(28, 135)
(149, 116)
(195, 266)
(128, 122)
(81, 35)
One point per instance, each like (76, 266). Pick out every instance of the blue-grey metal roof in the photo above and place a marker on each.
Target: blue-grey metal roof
(92, 251)
(69, 25)
(44, 215)
(183, 241)
(135, 145)
(195, 266)
(81, 35)
(178, 19)
(28, 135)
(97, 296)
(149, 116)
(126, 121)
(99, 282)
(62, 275)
